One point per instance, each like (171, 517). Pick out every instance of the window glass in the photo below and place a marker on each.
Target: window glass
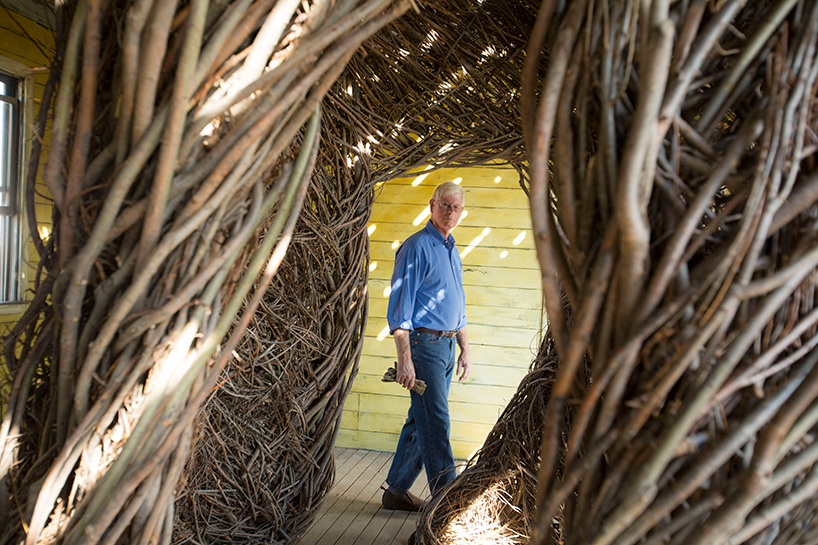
(10, 289)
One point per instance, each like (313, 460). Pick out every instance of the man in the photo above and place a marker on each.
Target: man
(426, 315)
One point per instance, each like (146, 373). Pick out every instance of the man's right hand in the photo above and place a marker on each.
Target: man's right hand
(406, 373)
(406, 368)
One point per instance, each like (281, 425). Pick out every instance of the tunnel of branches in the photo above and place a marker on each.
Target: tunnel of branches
(199, 309)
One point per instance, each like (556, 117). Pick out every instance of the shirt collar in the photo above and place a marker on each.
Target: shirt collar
(437, 235)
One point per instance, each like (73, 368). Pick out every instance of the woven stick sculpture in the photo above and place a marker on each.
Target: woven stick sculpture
(670, 150)
(179, 131)
(265, 443)
(673, 187)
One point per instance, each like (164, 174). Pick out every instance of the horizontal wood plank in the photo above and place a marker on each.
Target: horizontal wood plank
(478, 334)
(482, 276)
(420, 195)
(509, 356)
(506, 317)
(382, 254)
(397, 404)
(478, 215)
(388, 441)
(479, 295)
(463, 234)
(465, 392)
(460, 431)
(485, 375)
(482, 372)
(491, 175)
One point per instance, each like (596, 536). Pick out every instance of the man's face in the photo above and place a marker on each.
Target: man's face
(446, 212)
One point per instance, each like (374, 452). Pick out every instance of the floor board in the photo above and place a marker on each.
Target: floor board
(352, 513)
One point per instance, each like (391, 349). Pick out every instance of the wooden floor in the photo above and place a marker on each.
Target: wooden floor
(352, 512)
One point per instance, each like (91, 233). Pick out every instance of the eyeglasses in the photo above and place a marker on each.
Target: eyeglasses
(450, 207)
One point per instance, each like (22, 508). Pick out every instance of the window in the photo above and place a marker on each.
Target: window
(15, 86)
(9, 185)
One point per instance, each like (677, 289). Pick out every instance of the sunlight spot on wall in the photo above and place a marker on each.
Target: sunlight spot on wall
(373, 266)
(498, 179)
(457, 180)
(462, 217)
(371, 229)
(422, 216)
(387, 291)
(384, 332)
(417, 181)
(44, 232)
(504, 254)
(519, 239)
(477, 240)
(395, 244)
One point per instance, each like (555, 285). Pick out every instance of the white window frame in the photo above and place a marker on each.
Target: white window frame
(21, 242)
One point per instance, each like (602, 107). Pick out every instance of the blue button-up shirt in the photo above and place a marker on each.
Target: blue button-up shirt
(427, 284)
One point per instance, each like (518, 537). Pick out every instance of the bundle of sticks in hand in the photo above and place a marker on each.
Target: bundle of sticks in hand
(392, 374)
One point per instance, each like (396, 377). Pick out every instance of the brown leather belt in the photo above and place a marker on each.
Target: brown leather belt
(449, 334)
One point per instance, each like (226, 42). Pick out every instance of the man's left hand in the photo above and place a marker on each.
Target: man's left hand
(463, 366)
(464, 361)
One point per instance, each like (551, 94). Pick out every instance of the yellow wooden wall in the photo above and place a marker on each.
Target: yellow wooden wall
(26, 45)
(503, 306)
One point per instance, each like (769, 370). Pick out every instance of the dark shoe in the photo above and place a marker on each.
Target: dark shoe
(412, 539)
(401, 501)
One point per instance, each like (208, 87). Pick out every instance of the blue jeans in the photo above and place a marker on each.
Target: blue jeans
(424, 439)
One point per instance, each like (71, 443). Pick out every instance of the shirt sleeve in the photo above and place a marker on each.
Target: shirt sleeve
(463, 319)
(406, 278)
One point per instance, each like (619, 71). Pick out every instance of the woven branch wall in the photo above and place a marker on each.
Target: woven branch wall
(183, 143)
(263, 458)
(672, 184)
